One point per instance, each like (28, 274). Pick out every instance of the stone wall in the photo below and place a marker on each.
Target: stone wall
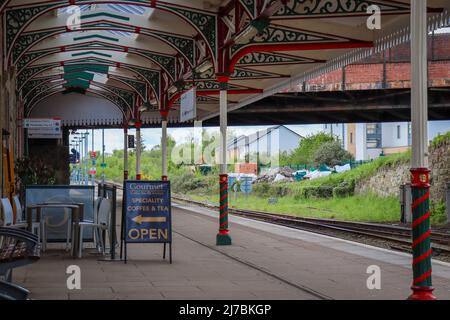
(440, 170)
(387, 181)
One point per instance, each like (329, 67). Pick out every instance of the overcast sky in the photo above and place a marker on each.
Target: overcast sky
(152, 137)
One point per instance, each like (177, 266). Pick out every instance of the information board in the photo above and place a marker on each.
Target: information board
(147, 213)
(43, 128)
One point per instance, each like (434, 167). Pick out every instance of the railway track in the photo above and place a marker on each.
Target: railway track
(396, 237)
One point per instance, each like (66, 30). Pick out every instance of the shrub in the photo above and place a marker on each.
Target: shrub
(307, 148)
(323, 191)
(331, 154)
(441, 139)
(261, 189)
(344, 189)
(188, 182)
(438, 213)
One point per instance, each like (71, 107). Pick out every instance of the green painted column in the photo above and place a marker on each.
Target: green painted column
(421, 232)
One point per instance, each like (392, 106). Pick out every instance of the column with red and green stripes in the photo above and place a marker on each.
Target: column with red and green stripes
(420, 174)
(421, 232)
(223, 237)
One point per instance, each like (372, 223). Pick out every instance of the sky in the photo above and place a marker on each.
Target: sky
(152, 137)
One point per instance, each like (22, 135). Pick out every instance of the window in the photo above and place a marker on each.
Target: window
(398, 132)
(373, 144)
(351, 137)
(372, 128)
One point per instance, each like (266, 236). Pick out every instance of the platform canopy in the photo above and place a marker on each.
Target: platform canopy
(142, 55)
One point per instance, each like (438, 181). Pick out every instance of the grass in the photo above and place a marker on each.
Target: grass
(440, 139)
(359, 173)
(370, 208)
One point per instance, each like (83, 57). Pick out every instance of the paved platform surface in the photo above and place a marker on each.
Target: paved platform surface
(265, 262)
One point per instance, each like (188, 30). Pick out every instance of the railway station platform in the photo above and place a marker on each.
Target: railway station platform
(266, 261)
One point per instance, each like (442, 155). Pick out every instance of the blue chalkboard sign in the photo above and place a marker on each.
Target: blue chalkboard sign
(147, 214)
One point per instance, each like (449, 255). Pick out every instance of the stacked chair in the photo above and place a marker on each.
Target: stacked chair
(17, 248)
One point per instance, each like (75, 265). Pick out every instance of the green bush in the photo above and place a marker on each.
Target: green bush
(438, 213)
(331, 154)
(321, 192)
(441, 139)
(344, 189)
(188, 182)
(262, 189)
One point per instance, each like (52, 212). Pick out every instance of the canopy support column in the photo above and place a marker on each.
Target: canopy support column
(138, 150)
(422, 283)
(165, 173)
(223, 237)
(125, 152)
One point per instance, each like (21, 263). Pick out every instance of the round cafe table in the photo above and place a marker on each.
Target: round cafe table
(77, 212)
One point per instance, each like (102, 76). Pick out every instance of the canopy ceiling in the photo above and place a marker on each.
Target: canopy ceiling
(137, 51)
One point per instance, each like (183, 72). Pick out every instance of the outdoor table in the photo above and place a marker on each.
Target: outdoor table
(77, 211)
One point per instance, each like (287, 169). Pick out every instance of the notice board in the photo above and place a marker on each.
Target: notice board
(147, 214)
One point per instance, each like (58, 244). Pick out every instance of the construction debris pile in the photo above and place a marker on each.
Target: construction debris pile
(284, 174)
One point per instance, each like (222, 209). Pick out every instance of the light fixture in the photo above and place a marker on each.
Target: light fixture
(255, 28)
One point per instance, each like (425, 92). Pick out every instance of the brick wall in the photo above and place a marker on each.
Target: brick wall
(390, 70)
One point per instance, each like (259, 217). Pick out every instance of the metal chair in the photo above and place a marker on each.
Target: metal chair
(35, 226)
(17, 248)
(100, 225)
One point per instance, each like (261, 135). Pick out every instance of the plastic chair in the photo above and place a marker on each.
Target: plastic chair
(35, 226)
(8, 215)
(69, 222)
(100, 225)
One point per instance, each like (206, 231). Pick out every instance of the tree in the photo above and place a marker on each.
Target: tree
(331, 154)
(307, 148)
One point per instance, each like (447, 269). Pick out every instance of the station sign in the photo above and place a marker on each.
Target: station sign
(188, 105)
(43, 128)
(147, 210)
